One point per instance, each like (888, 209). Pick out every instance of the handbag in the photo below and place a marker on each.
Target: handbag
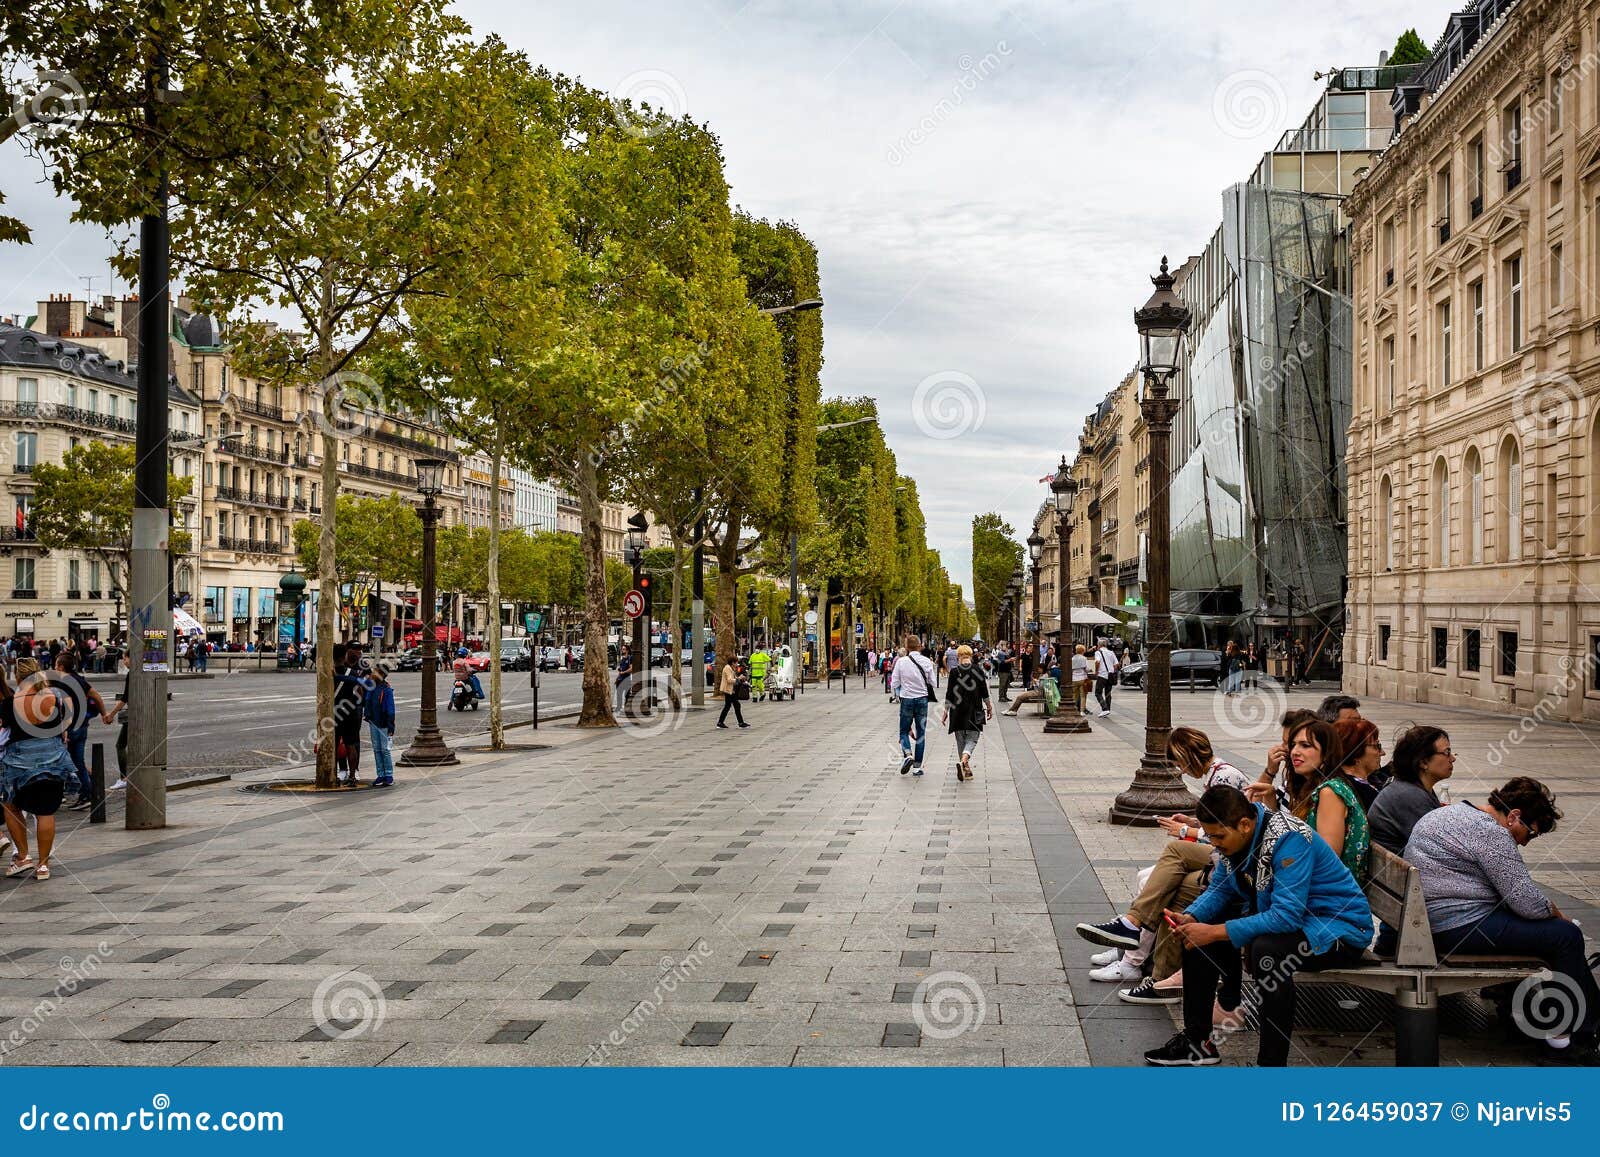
(741, 688)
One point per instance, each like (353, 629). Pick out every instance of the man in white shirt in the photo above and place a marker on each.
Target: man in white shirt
(1105, 670)
(912, 683)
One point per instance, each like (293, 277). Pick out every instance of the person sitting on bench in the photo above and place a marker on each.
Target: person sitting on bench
(1302, 910)
(1482, 900)
(1046, 690)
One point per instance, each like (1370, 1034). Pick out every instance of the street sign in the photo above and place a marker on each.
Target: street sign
(811, 619)
(633, 604)
(534, 621)
(861, 629)
(377, 630)
(811, 636)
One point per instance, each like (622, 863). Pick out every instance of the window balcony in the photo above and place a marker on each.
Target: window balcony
(22, 468)
(74, 594)
(24, 593)
(12, 534)
(257, 451)
(259, 409)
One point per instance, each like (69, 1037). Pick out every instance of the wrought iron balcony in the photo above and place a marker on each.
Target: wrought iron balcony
(259, 409)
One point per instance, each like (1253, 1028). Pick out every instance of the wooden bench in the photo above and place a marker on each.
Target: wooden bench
(1414, 974)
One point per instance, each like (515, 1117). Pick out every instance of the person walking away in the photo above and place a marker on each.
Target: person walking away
(913, 685)
(967, 709)
(379, 711)
(84, 703)
(1105, 670)
(1301, 911)
(728, 688)
(952, 659)
(1002, 669)
(759, 663)
(35, 768)
(349, 693)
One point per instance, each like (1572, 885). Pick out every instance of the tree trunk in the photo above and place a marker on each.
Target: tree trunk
(675, 622)
(723, 621)
(327, 575)
(596, 675)
(497, 731)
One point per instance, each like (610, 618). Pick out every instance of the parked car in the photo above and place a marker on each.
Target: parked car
(514, 655)
(478, 660)
(411, 660)
(1199, 665)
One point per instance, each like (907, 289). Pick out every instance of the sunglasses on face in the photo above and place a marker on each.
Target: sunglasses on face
(1533, 832)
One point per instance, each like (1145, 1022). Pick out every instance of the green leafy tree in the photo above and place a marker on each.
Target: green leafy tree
(995, 556)
(1409, 49)
(86, 504)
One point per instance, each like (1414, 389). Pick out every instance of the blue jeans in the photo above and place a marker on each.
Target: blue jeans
(76, 740)
(1559, 943)
(913, 711)
(382, 751)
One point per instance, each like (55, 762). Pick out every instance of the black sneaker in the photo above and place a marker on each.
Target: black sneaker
(1181, 1051)
(1146, 992)
(905, 765)
(81, 804)
(1111, 934)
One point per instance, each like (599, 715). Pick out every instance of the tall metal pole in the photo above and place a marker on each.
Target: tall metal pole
(149, 595)
(428, 748)
(1069, 718)
(794, 598)
(697, 617)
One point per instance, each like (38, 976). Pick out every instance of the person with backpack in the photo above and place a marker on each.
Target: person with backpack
(912, 683)
(380, 713)
(1105, 670)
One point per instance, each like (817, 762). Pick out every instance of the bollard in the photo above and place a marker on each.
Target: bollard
(97, 784)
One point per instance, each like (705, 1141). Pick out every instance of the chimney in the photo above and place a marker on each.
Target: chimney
(1383, 58)
(61, 316)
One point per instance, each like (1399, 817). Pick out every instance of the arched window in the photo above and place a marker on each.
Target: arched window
(1508, 501)
(1473, 468)
(1386, 551)
(1440, 513)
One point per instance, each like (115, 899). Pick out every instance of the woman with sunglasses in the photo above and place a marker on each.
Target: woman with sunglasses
(1363, 754)
(1482, 900)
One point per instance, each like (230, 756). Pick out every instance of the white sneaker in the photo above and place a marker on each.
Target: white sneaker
(1119, 972)
(1104, 714)
(1109, 956)
(120, 785)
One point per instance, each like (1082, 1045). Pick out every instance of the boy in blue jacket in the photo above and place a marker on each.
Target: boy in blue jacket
(1280, 894)
(379, 710)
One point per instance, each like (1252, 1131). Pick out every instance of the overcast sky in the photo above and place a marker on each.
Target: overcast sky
(989, 187)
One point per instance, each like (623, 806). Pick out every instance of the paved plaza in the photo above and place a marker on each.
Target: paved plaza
(776, 896)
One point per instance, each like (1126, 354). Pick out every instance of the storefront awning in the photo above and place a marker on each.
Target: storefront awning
(392, 600)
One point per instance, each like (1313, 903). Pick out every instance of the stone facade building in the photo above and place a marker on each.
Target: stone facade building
(1474, 451)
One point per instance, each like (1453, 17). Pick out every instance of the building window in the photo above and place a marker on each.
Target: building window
(1388, 253)
(1557, 279)
(1511, 144)
(1506, 654)
(1510, 501)
(1442, 204)
(94, 401)
(1383, 642)
(1386, 551)
(1553, 117)
(1550, 511)
(27, 394)
(22, 573)
(27, 451)
(1445, 336)
(111, 404)
(94, 578)
(1474, 472)
(1441, 513)
(1471, 643)
(1477, 324)
(73, 567)
(1513, 269)
(1388, 375)
(1441, 647)
(1476, 177)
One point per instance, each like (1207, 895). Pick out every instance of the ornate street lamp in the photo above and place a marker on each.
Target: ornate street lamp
(428, 748)
(1157, 789)
(1064, 492)
(1035, 552)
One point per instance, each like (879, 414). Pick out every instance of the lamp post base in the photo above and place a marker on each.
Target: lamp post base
(1067, 721)
(427, 750)
(1157, 790)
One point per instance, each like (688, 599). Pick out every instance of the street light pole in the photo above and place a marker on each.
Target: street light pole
(428, 748)
(1157, 788)
(1064, 491)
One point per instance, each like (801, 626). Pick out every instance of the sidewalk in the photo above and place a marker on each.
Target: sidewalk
(775, 896)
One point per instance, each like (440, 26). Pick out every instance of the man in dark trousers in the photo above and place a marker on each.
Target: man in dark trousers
(1028, 661)
(1002, 667)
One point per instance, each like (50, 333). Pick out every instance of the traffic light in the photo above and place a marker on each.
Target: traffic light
(788, 611)
(648, 593)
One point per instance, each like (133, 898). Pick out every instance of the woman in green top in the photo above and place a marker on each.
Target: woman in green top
(1322, 797)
